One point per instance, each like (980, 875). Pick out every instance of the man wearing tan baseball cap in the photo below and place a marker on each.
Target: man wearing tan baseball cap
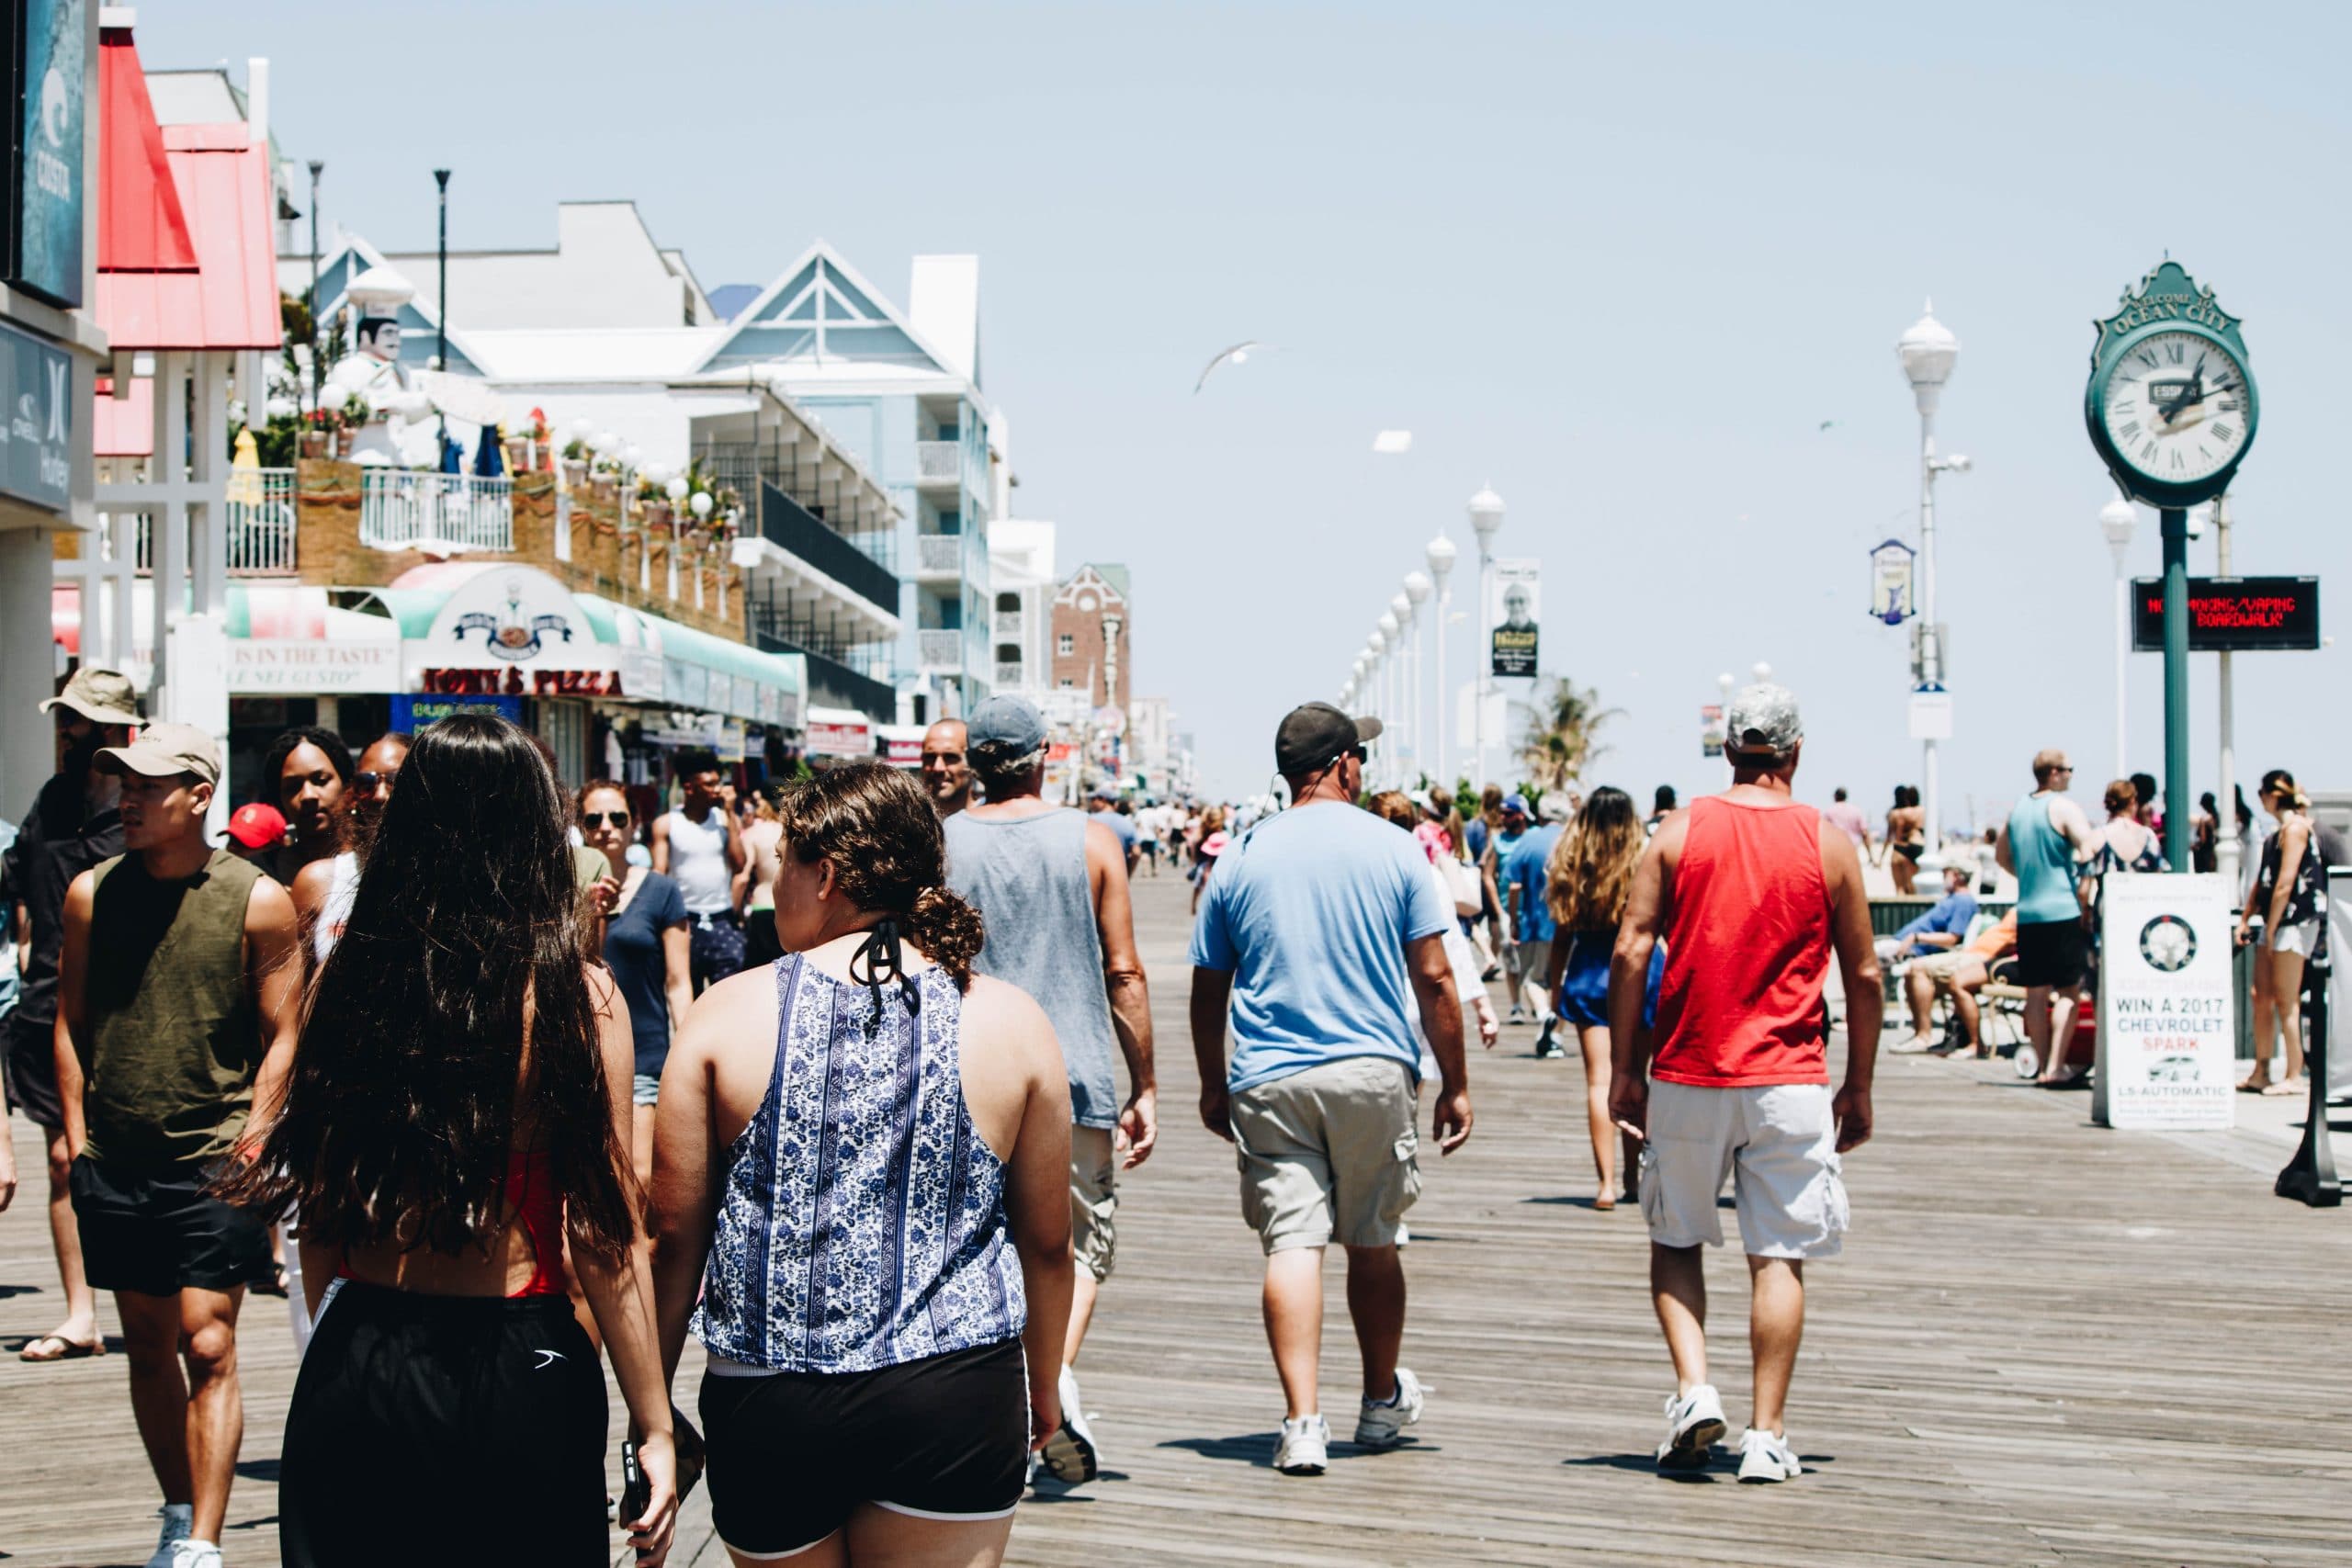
(176, 1031)
(72, 826)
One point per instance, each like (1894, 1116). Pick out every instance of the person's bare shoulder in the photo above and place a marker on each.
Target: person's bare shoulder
(311, 884)
(1006, 1021)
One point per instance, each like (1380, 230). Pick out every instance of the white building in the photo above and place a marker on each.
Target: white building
(1022, 584)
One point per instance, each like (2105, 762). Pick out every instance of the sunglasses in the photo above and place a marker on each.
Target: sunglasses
(598, 819)
(370, 781)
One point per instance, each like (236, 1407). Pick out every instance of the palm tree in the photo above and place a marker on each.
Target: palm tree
(1559, 742)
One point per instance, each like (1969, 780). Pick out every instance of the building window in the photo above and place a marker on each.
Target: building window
(1010, 603)
(1068, 684)
(1066, 645)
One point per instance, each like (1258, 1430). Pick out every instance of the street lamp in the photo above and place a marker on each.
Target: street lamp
(1408, 667)
(1417, 592)
(1440, 554)
(2116, 520)
(1486, 520)
(1927, 352)
(1391, 682)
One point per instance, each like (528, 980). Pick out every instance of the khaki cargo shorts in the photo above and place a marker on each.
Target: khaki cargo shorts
(1328, 1154)
(1093, 1201)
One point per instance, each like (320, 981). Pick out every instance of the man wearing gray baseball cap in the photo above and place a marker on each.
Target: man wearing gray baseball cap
(1051, 886)
(1750, 891)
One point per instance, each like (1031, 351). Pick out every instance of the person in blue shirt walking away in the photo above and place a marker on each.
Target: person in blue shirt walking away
(2046, 835)
(1941, 929)
(1531, 918)
(1321, 928)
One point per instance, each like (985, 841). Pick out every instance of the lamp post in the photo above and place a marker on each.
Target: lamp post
(1927, 353)
(1408, 667)
(1416, 593)
(2116, 520)
(441, 309)
(1441, 557)
(2225, 793)
(1392, 683)
(1486, 520)
(318, 352)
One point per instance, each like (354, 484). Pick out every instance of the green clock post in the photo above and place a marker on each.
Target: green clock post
(2172, 410)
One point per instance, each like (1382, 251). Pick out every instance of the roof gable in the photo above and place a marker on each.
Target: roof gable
(821, 311)
(420, 325)
(1107, 588)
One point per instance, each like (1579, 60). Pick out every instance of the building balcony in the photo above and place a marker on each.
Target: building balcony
(1008, 676)
(939, 463)
(939, 555)
(940, 651)
(840, 676)
(261, 530)
(399, 509)
(794, 529)
(1006, 626)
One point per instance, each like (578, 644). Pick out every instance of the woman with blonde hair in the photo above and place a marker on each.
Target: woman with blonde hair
(1587, 881)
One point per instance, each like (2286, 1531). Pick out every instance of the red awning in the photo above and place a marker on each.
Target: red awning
(140, 226)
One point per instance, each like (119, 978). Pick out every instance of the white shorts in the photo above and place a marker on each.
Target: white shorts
(1780, 1145)
(2301, 939)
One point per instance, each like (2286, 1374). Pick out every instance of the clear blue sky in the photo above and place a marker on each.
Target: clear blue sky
(1624, 267)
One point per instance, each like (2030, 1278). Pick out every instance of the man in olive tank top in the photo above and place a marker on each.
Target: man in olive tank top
(176, 1028)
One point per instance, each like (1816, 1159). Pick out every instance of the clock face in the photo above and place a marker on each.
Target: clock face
(2177, 407)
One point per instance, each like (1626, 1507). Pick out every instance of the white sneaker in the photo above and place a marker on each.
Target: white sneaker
(190, 1554)
(1765, 1456)
(1304, 1445)
(179, 1518)
(1694, 1423)
(1382, 1425)
(1069, 1454)
(1518, 1013)
(1914, 1046)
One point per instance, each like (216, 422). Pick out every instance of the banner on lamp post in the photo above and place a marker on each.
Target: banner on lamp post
(1513, 617)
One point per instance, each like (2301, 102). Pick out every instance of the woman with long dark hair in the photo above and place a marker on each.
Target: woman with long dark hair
(861, 1164)
(1587, 882)
(458, 1110)
(645, 947)
(2290, 897)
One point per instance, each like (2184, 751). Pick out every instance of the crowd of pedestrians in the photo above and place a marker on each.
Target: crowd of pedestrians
(502, 1086)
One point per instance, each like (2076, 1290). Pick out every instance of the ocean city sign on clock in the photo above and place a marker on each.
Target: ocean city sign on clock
(2172, 406)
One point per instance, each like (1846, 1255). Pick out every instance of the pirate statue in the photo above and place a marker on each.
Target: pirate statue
(397, 431)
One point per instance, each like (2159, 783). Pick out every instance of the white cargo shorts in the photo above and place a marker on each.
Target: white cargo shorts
(1778, 1143)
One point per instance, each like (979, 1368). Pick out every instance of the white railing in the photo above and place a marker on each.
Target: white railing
(1006, 626)
(941, 650)
(261, 522)
(937, 460)
(399, 507)
(1008, 676)
(940, 552)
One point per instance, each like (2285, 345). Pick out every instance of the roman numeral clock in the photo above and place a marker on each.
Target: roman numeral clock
(2171, 406)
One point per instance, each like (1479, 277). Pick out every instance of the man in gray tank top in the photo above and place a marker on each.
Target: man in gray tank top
(1052, 889)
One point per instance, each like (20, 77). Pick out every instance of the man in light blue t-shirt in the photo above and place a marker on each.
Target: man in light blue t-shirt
(1321, 928)
(1521, 877)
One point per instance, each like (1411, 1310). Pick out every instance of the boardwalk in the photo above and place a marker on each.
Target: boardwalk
(2046, 1344)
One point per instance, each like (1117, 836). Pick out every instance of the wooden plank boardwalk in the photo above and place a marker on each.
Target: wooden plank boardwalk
(2046, 1343)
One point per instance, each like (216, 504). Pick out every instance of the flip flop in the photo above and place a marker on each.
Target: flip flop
(2253, 1086)
(2283, 1090)
(67, 1349)
(1604, 1204)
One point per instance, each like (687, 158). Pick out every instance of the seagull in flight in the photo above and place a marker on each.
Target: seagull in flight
(1238, 354)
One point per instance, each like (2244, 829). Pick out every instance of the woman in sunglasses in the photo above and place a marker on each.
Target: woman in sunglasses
(645, 947)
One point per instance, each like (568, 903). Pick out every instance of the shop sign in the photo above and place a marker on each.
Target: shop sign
(841, 740)
(514, 615)
(512, 682)
(36, 421)
(903, 753)
(731, 747)
(412, 713)
(305, 667)
(677, 730)
(49, 64)
(2167, 1047)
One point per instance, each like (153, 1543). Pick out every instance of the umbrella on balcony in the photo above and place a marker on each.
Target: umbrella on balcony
(453, 456)
(490, 453)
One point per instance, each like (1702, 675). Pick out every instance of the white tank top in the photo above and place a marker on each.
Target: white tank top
(698, 862)
(336, 913)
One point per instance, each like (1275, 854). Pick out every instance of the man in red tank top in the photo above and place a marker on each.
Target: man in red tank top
(1750, 892)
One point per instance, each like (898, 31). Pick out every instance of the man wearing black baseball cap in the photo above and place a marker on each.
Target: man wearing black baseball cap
(1320, 929)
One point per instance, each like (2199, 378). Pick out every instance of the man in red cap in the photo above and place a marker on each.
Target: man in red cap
(254, 831)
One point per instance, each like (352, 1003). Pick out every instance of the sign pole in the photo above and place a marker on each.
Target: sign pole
(2310, 1176)
(2177, 799)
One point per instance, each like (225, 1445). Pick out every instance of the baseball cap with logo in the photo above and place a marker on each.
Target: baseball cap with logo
(1515, 805)
(257, 827)
(102, 696)
(1004, 732)
(163, 750)
(1763, 723)
(1313, 735)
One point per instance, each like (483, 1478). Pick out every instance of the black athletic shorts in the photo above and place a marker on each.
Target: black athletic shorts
(159, 1232)
(2051, 952)
(793, 1454)
(762, 946)
(449, 1430)
(31, 1071)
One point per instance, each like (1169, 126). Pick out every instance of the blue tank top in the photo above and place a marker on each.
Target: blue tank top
(863, 1220)
(2045, 865)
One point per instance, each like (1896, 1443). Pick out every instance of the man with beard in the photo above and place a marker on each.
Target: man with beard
(74, 825)
(323, 889)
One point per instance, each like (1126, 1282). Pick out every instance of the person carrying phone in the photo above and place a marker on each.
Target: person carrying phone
(457, 1111)
(1750, 892)
(861, 1164)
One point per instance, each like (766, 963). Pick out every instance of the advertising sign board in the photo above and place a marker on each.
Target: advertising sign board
(2233, 614)
(412, 713)
(1515, 616)
(2168, 1048)
(36, 421)
(50, 64)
